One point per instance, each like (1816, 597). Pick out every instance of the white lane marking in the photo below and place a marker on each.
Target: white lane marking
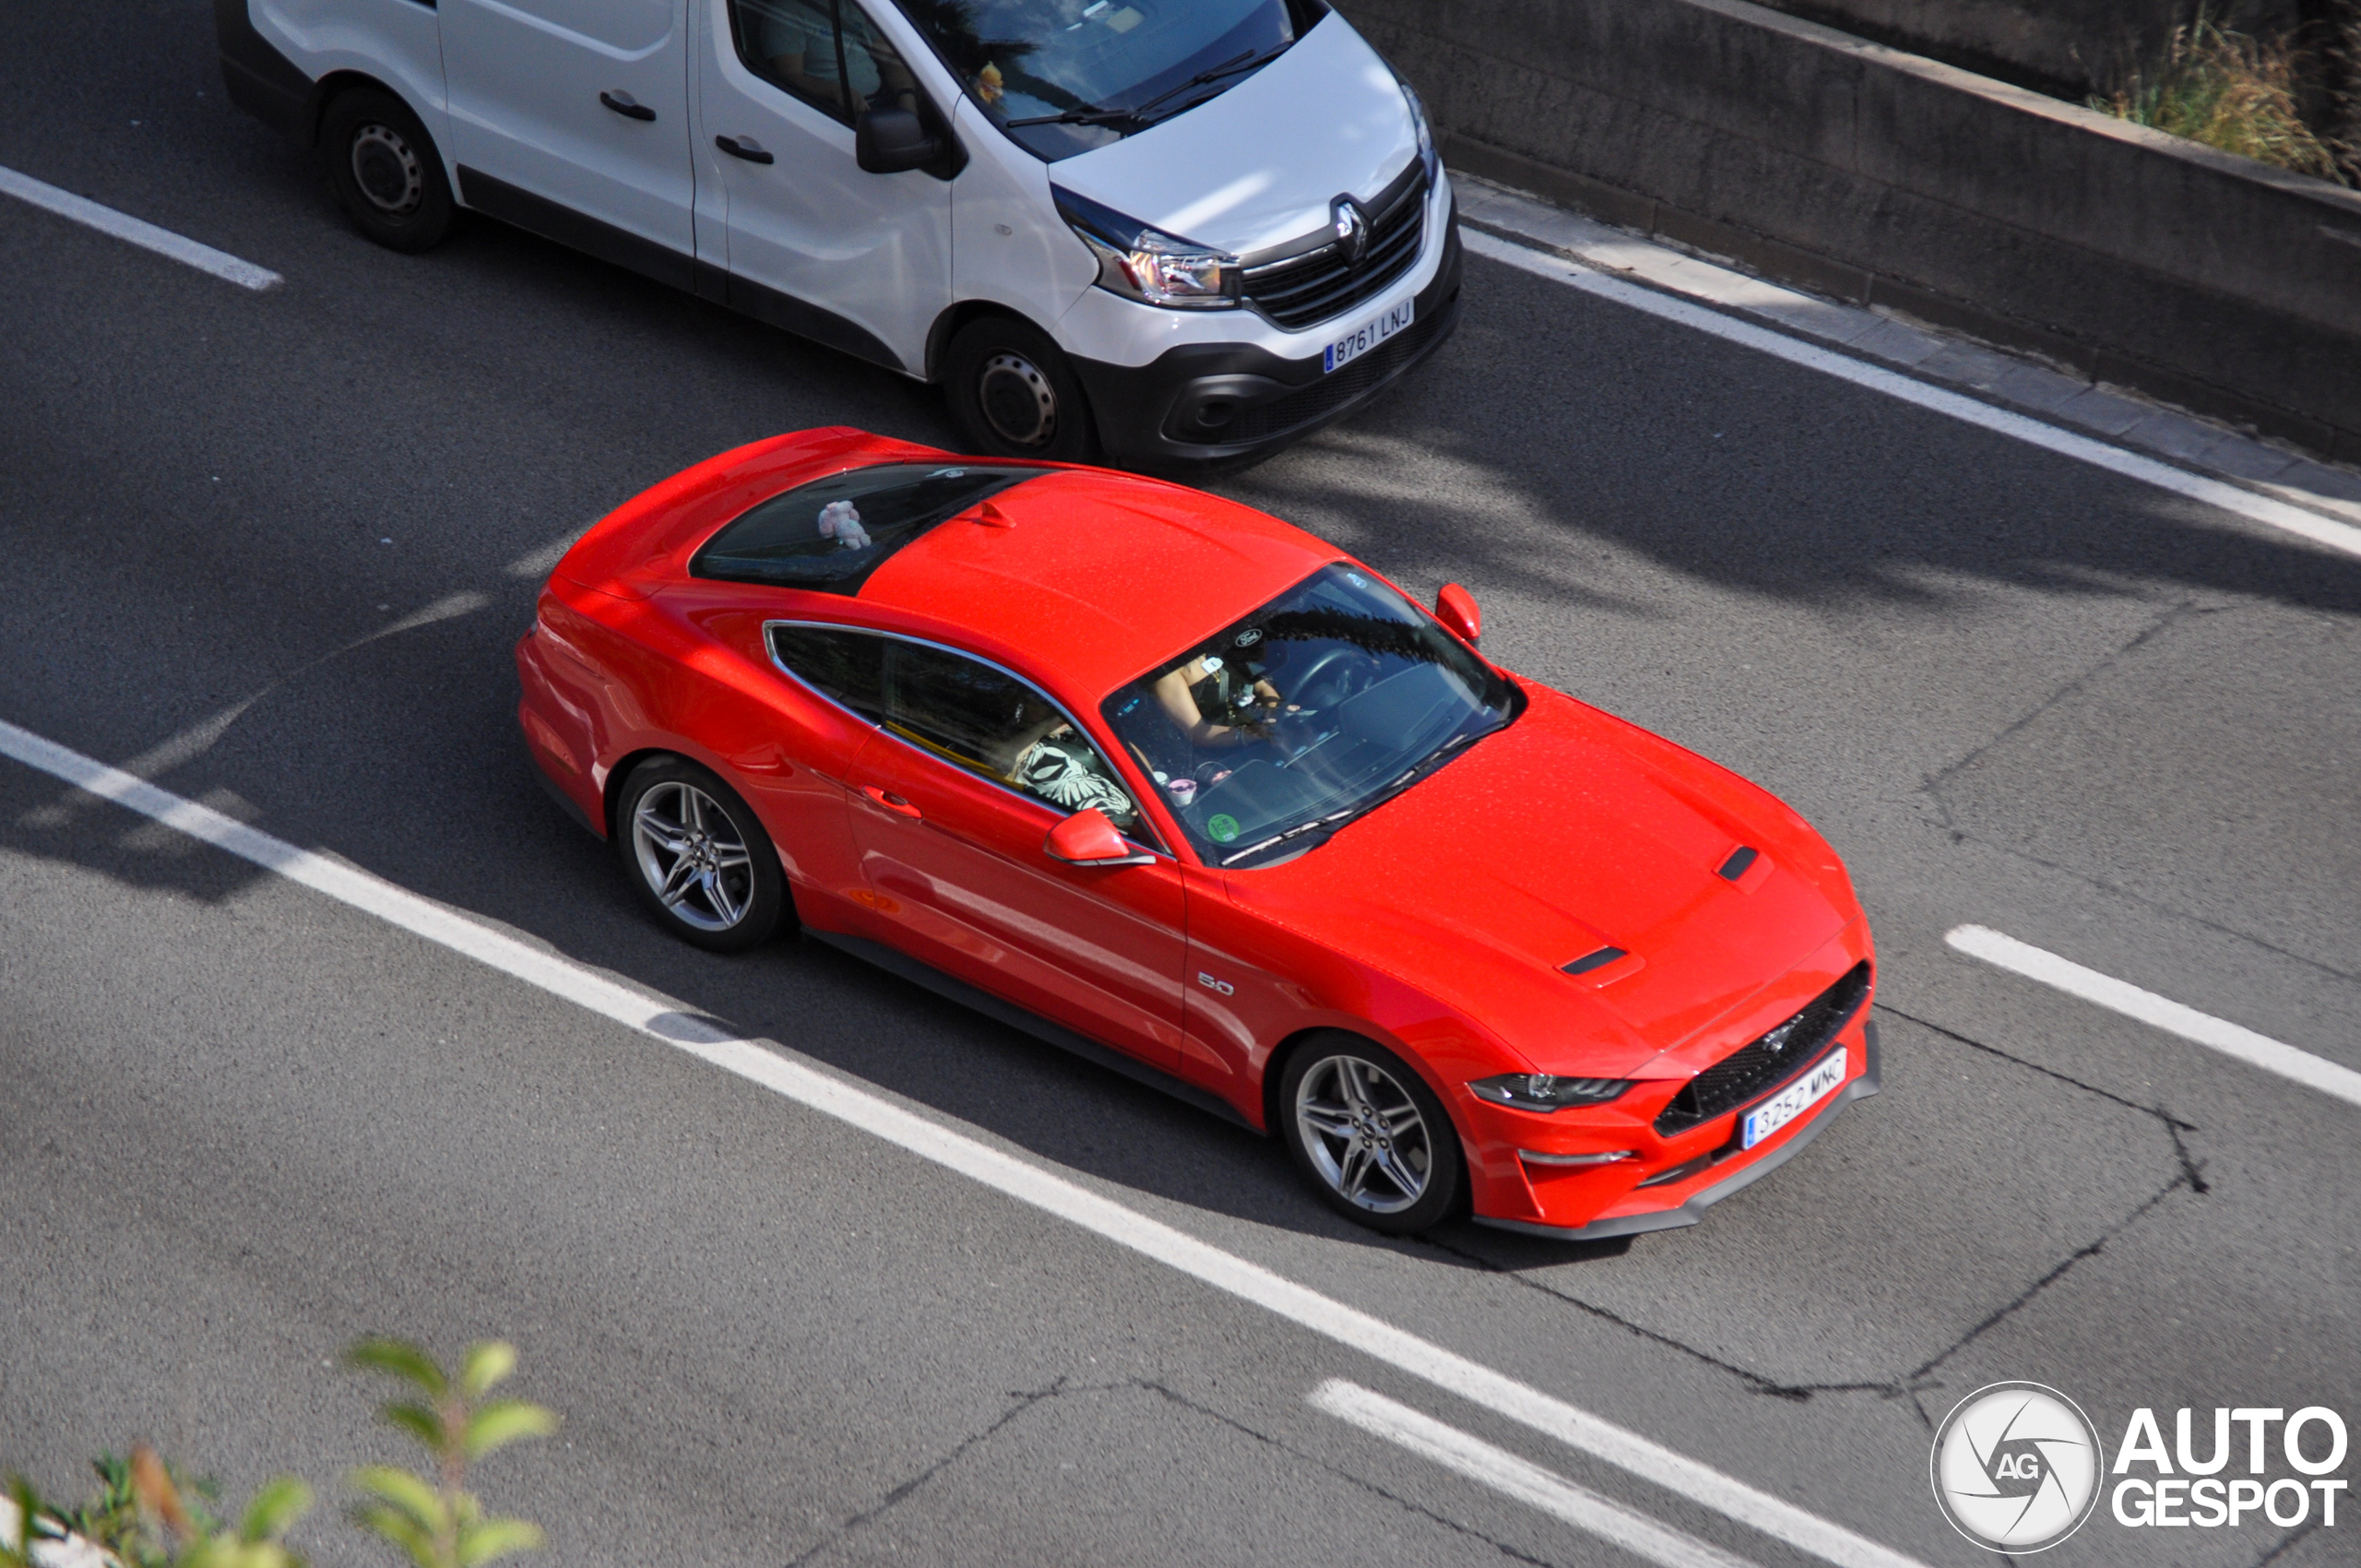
(1894, 383)
(2230, 1040)
(1506, 1473)
(138, 231)
(969, 1157)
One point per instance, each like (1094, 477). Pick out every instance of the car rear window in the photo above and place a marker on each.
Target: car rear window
(831, 534)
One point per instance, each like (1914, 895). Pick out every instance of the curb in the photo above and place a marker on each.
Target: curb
(2023, 382)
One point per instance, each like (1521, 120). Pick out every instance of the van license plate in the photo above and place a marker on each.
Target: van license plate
(1368, 336)
(1794, 1100)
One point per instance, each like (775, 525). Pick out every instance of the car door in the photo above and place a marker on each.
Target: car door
(949, 818)
(563, 111)
(859, 261)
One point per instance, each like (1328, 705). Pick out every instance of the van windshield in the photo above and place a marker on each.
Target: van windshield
(1062, 76)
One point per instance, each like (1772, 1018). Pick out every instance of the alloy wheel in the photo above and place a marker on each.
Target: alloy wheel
(692, 857)
(1365, 1134)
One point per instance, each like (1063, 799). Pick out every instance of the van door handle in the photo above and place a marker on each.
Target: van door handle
(627, 106)
(893, 803)
(747, 148)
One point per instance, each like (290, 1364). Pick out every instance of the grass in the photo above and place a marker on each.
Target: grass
(2228, 91)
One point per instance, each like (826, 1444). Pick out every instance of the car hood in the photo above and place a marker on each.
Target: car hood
(1259, 164)
(1567, 832)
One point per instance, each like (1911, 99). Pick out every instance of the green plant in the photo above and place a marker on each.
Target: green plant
(2228, 91)
(437, 1523)
(146, 1515)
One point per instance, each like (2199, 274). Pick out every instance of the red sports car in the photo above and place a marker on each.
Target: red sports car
(1179, 786)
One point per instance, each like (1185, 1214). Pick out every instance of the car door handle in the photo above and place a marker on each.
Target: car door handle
(893, 803)
(747, 148)
(627, 106)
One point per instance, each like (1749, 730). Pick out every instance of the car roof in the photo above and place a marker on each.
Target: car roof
(1097, 575)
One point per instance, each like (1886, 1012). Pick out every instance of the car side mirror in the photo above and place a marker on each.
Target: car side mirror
(1087, 839)
(1456, 608)
(888, 141)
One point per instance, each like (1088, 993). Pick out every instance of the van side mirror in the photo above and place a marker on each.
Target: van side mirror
(888, 141)
(1456, 608)
(1088, 839)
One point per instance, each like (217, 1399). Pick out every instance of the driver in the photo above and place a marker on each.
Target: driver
(1218, 702)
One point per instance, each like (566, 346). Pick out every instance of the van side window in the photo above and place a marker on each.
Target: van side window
(840, 70)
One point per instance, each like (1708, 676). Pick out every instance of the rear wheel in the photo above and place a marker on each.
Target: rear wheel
(1372, 1137)
(697, 857)
(1013, 393)
(385, 170)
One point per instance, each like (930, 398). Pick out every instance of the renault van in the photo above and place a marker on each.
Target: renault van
(1167, 234)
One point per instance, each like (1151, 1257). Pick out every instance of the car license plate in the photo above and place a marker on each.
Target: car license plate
(1367, 336)
(1794, 1100)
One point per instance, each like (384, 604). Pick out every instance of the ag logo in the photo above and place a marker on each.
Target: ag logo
(2016, 1467)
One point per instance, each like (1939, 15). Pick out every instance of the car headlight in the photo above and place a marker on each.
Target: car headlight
(1149, 264)
(1545, 1091)
(1426, 133)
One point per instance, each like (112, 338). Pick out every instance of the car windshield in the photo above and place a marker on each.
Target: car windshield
(1062, 76)
(1321, 705)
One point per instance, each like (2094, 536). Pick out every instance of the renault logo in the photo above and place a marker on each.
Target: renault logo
(1352, 228)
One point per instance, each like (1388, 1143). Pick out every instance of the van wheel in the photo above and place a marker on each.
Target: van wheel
(1015, 394)
(384, 170)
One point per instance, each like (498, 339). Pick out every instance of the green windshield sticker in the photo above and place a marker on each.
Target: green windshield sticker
(1222, 827)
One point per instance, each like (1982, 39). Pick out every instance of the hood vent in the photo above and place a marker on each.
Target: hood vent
(1597, 960)
(1735, 867)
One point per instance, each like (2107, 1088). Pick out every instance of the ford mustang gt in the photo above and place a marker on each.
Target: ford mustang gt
(1179, 786)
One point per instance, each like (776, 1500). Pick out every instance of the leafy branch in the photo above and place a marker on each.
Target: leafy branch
(437, 1522)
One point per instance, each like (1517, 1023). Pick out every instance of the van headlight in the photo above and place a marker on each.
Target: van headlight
(1427, 155)
(1149, 264)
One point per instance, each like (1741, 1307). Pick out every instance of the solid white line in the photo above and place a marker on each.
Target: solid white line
(1027, 1183)
(139, 232)
(1894, 383)
(1506, 1473)
(2230, 1040)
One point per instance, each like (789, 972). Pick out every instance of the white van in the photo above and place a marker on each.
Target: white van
(1167, 232)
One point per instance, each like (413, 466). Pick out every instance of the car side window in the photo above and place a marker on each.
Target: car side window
(992, 724)
(847, 667)
(826, 52)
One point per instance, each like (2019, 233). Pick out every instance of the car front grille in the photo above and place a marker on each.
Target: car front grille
(1767, 1063)
(1312, 284)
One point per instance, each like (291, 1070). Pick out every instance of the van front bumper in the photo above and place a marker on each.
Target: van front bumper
(1202, 405)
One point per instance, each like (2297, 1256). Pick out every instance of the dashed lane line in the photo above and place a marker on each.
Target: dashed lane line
(767, 1066)
(2231, 1039)
(139, 232)
(2213, 492)
(1518, 1478)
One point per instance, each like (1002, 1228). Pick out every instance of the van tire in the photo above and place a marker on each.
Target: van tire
(1013, 393)
(385, 170)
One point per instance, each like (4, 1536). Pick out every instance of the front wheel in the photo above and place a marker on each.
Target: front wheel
(1372, 1137)
(384, 168)
(1013, 393)
(697, 856)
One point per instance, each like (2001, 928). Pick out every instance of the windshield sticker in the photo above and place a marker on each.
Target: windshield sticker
(1221, 827)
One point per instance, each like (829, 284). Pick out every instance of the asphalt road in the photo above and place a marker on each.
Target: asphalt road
(270, 549)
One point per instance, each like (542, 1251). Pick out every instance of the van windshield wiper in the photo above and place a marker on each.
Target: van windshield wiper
(1091, 115)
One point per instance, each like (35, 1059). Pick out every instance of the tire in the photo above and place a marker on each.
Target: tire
(385, 170)
(1013, 393)
(698, 857)
(1342, 1096)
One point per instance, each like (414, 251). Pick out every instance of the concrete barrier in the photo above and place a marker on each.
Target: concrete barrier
(2225, 285)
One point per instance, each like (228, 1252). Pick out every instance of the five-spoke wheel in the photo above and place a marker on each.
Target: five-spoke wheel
(1370, 1133)
(698, 856)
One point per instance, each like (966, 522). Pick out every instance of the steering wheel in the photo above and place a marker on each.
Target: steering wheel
(1337, 665)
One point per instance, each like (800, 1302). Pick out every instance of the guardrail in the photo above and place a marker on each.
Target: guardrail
(2227, 286)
